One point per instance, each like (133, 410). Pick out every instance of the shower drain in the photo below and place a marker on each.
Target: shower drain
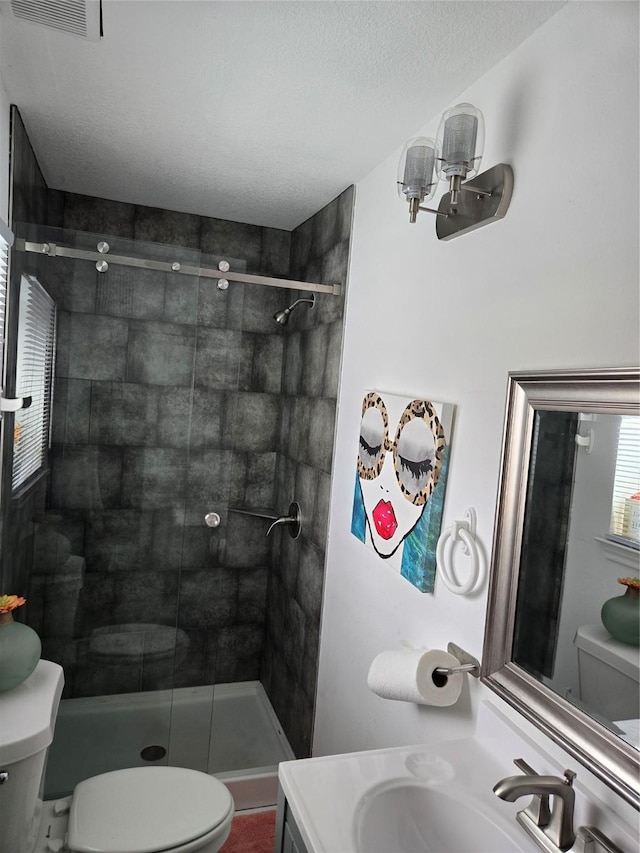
(153, 753)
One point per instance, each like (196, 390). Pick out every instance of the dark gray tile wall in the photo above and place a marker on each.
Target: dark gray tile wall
(313, 341)
(29, 195)
(120, 540)
(167, 407)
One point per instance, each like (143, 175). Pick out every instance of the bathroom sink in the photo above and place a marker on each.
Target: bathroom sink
(432, 799)
(414, 817)
(435, 798)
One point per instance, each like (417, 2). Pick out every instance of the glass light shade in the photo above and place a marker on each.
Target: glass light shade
(415, 169)
(460, 142)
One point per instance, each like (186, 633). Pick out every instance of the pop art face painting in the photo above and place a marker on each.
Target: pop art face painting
(402, 466)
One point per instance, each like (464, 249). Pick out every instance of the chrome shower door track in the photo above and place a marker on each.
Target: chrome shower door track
(55, 250)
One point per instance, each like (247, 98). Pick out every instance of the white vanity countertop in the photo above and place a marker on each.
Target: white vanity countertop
(326, 794)
(331, 796)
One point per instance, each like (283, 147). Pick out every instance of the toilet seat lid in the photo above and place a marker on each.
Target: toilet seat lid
(145, 810)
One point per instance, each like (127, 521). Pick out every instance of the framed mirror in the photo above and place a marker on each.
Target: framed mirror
(567, 528)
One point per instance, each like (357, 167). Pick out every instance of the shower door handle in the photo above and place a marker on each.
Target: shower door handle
(212, 519)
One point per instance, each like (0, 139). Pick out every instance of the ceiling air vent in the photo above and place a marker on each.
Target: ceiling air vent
(78, 17)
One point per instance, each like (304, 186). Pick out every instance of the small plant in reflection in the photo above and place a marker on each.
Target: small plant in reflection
(632, 583)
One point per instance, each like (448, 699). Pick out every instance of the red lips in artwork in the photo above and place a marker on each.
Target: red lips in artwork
(384, 519)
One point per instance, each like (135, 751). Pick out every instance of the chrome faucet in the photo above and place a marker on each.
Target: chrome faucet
(551, 829)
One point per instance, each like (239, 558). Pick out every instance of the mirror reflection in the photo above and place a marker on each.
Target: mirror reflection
(577, 610)
(566, 531)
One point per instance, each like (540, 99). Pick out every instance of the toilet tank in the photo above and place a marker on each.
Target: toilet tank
(27, 720)
(609, 674)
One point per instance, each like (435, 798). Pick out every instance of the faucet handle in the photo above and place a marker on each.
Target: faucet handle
(569, 776)
(527, 769)
(589, 839)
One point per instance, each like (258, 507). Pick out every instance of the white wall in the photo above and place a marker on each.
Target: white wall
(553, 285)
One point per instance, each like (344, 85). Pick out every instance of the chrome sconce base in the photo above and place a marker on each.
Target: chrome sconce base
(481, 200)
(471, 205)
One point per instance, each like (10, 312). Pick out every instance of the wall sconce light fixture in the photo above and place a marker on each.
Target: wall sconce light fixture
(455, 156)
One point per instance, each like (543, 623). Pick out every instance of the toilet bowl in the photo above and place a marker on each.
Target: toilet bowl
(138, 810)
(159, 649)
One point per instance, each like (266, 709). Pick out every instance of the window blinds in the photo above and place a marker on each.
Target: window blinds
(625, 512)
(6, 240)
(34, 378)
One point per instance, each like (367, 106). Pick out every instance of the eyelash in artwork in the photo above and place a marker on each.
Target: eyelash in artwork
(416, 469)
(371, 451)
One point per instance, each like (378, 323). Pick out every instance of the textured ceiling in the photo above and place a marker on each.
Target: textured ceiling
(259, 112)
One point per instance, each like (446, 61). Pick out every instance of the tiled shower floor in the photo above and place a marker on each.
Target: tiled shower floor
(241, 741)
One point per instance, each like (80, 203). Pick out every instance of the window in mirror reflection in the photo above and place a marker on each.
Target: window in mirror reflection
(574, 489)
(625, 504)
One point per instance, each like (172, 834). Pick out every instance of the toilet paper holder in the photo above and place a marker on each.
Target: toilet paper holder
(467, 664)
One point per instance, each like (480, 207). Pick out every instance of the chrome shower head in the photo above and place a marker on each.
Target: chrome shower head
(282, 317)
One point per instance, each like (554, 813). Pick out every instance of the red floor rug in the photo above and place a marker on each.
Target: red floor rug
(252, 833)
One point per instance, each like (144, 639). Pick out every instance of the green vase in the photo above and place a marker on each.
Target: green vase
(621, 617)
(20, 651)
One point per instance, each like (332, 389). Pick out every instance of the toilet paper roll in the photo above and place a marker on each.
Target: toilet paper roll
(408, 676)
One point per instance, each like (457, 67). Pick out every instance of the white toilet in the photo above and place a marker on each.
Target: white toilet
(140, 810)
(609, 673)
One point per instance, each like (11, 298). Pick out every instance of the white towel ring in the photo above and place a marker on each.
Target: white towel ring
(463, 531)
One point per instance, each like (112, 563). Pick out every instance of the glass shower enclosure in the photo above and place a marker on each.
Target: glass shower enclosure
(165, 410)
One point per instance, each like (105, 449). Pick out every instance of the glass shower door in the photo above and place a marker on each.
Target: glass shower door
(166, 408)
(122, 522)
